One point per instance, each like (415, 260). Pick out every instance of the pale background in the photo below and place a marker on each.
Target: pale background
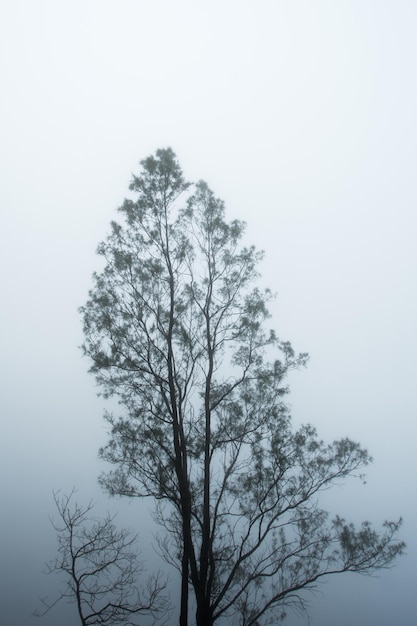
(301, 116)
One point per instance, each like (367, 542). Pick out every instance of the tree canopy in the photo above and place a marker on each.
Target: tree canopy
(176, 329)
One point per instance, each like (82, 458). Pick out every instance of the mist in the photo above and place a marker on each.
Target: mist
(301, 117)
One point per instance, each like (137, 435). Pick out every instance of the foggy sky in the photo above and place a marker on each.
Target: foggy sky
(301, 116)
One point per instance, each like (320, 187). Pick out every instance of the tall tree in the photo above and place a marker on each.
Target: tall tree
(176, 330)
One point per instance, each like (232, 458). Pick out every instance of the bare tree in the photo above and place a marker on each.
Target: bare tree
(101, 569)
(176, 330)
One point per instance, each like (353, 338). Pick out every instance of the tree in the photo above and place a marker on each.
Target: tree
(176, 331)
(101, 569)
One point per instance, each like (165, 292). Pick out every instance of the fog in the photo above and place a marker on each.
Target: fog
(301, 116)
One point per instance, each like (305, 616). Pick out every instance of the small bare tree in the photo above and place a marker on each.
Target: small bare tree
(101, 569)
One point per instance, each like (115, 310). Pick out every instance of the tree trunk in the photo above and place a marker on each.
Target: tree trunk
(204, 616)
(184, 591)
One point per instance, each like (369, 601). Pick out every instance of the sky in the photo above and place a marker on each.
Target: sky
(300, 115)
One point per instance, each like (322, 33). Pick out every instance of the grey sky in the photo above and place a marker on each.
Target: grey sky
(301, 116)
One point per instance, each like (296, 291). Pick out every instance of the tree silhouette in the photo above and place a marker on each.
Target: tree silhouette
(175, 328)
(100, 568)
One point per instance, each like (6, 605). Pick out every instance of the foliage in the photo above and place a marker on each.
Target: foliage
(175, 328)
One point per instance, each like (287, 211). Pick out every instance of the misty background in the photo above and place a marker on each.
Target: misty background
(300, 115)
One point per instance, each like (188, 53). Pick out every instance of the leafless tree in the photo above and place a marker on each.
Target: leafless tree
(100, 567)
